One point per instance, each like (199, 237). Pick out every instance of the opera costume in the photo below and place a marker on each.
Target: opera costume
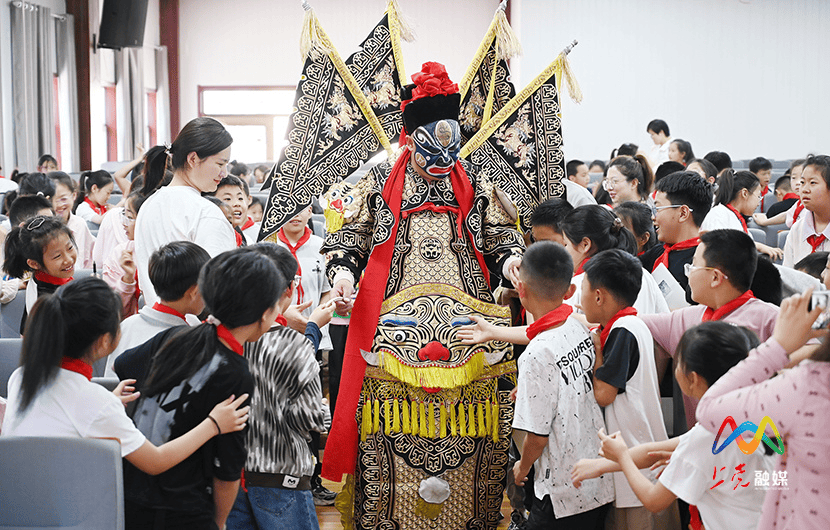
(422, 421)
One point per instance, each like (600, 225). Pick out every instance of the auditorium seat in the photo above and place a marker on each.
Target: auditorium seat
(9, 361)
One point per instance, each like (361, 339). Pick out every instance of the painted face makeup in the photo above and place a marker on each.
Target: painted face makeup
(436, 147)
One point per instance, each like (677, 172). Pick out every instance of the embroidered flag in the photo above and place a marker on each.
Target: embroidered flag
(344, 113)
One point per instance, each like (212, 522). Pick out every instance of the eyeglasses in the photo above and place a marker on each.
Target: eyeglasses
(688, 269)
(608, 185)
(127, 218)
(656, 209)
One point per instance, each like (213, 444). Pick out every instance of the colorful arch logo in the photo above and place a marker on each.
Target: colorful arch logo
(749, 447)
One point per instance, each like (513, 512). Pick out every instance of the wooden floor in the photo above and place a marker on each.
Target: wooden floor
(329, 517)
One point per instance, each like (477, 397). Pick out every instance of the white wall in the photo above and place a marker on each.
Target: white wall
(7, 149)
(748, 77)
(256, 42)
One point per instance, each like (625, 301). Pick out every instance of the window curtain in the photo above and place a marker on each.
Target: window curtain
(68, 93)
(162, 96)
(33, 68)
(129, 87)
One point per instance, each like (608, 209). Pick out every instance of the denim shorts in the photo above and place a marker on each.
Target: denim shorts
(266, 508)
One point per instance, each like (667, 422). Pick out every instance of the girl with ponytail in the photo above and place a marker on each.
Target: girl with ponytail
(51, 394)
(591, 229)
(187, 370)
(95, 189)
(737, 198)
(198, 159)
(629, 178)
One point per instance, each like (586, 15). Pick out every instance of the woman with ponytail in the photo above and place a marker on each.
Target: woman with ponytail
(629, 178)
(51, 394)
(737, 198)
(592, 229)
(183, 372)
(198, 158)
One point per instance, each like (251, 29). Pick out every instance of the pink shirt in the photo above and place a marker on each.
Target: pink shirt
(667, 328)
(796, 401)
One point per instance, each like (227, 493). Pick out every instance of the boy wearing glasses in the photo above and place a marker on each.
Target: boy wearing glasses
(681, 202)
(719, 277)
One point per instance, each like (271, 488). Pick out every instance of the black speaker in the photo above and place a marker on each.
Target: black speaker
(122, 24)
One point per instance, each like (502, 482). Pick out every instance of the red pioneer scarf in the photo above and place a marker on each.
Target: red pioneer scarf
(100, 210)
(158, 306)
(224, 333)
(281, 320)
(581, 268)
(790, 195)
(293, 249)
(48, 278)
(247, 224)
(77, 366)
(550, 320)
(798, 208)
(606, 329)
(725, 309)
(739, 216)
(816, 241)
(343, 437)
(764, 196)
(667, 249)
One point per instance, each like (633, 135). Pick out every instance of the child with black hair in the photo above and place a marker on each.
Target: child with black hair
(546, 221)
(795, 209)
(813, 264)
(119, 267)
(250, 228)
(737, 197)
(680, 151)
(555, 403)
(811, 231)
(280, 466)
(591, 229)
(51, 394)
(720, 276)
(28, 206)
(62, 202)
(43, 246)
(255, 210)
(704, 168)
(112, 232)
(785, 195)
(625, 375)
(95, 189)
(232, 191)
(47, 163)
(762, 168)
(637, 216)
(577, 172)
(721, 160)
(174, 270)
(184, 371)
(680, 205)
(705, 353)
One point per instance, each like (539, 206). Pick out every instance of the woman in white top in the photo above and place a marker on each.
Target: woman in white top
(198, 159)
(52, 393)
(738, 196)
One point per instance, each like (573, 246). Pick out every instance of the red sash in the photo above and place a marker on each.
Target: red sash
(293, 249)
(77, 366)
(158, 306)
(100, 210)
(550, 320)
(725, 309)
(224, 333)
(48, 278)
(740, 217)
(606, 329)
(343, 437)
(667, 249)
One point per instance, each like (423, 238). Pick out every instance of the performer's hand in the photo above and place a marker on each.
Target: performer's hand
(481, 331)
(295, 318)
(342, 294)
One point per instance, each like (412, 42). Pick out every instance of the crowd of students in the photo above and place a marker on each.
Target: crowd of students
(651, 289)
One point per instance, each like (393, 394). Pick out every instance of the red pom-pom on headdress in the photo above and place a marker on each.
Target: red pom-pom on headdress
(433, 96)
(433, 80)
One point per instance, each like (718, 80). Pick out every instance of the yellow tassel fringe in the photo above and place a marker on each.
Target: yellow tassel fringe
(434, 376)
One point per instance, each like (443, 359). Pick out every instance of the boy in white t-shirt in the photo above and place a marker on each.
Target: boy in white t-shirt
(625, 380)
(555, 402)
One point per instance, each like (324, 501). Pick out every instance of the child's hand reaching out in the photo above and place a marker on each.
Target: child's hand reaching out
(613, 446)
(322, 313)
